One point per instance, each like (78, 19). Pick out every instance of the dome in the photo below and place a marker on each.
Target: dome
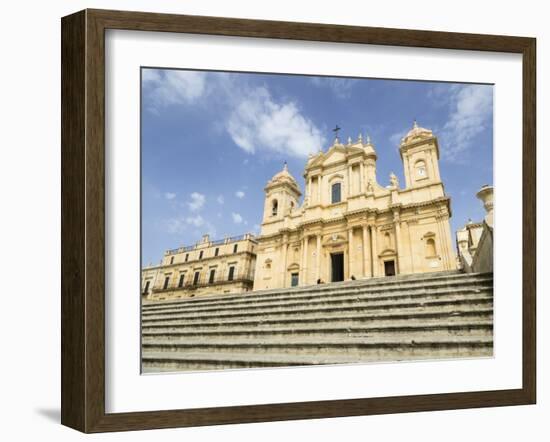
(416, 132)
(283, 176)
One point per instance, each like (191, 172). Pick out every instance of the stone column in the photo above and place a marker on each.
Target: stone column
(444, 251)
(397, 229)
(318, 259)
(366, 261)
(374, 251)
(350, 251)
(451, 262)
(285, 252)
(407, 234)
(349, 181)
(362, 189)
(304, 263)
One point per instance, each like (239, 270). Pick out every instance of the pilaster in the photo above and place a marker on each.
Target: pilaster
(366, 261)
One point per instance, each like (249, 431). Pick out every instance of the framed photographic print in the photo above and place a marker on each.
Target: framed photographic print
(269, 221)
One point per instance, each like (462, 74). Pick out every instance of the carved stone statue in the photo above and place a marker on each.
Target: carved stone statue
(394, 181)
(370, 187)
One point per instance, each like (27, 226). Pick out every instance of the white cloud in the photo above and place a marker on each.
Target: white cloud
(196, 221)
(471, 112)
(220, 199)
(174, 86)
(251, 116)
(179, 225)
(340, 87)
(169, 195)
(237, 218)
(175, 225)
(240, 194)
(197, 201)
(258, 122)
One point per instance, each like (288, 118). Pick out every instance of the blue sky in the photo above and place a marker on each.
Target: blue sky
(211, 141)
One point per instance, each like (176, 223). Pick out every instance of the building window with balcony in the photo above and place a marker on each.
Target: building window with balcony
(336, 195)
(217, 251)
(212, 276)
(166, 282)
(231, 273)
(182, 278)
(196, 278)
(235, 247)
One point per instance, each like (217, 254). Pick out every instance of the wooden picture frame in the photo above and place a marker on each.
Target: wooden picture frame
(83, 220)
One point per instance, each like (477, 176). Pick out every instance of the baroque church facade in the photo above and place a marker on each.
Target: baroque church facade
(349, 226)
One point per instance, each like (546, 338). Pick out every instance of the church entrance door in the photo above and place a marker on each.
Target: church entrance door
(389, 268)
(337, 264)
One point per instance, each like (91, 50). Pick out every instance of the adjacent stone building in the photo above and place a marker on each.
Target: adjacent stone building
(208, 267)
(474, 241)
(349, 226)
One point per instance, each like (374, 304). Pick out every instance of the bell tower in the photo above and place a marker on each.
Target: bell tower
(281, 196)
(419, 151)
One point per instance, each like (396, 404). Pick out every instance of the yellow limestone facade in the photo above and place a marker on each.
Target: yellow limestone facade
(349, 226)
(205, 268)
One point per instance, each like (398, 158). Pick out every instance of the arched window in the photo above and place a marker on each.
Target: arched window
(336, 194)
(420, 169)
(274, 207)
(430, 247)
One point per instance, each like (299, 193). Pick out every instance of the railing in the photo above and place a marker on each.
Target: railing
(204, 281)
(217, 242)
(180, 250)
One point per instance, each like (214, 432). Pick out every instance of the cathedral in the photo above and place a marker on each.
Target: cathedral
(351, 227)
(347, 227)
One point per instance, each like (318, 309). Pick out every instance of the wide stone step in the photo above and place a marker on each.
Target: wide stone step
(155, 362)
(336, 349)
(463, 328)
(385, 284)
(378, 318)
(427, 320)
(328, 311)
(419, 295)
(208, 301)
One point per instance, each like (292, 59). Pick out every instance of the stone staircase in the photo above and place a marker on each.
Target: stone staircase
(409, 317)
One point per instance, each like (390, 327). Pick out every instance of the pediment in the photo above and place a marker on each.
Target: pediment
(387, 252)
(293, 266)
(334, 155)
(334, 240)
